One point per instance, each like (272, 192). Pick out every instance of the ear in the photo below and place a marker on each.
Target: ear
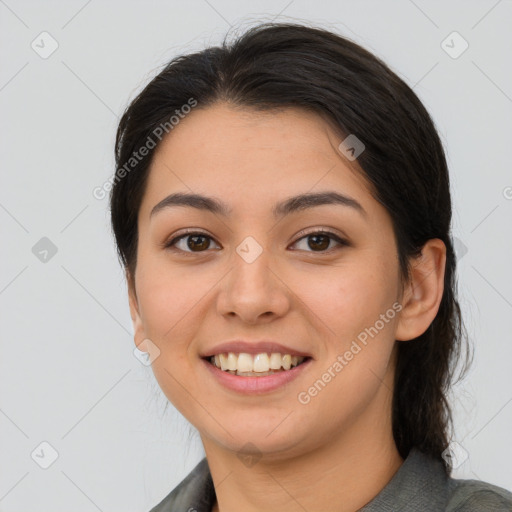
(139, 335)
(424, 291)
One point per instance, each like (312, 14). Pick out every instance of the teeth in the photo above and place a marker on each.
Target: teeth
(275, 361)
(223, 362)
(245, 363)
(232, 359)
(262, 364)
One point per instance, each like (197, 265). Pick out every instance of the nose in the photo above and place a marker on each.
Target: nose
(253, 291)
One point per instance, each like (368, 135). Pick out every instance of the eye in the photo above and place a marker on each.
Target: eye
(319, 241)
(197, 241)
(192, 241)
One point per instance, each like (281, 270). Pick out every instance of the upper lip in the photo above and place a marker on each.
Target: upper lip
(252, 347)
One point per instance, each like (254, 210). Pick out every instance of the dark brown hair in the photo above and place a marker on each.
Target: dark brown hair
(279, 65)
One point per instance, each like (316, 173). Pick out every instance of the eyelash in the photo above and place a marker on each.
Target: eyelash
(303, 234)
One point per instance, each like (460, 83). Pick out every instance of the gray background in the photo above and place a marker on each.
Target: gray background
(68, 375)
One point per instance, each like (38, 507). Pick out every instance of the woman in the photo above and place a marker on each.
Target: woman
(281, 207)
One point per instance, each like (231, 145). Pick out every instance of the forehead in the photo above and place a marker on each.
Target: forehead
(229, 132)
(249, 157)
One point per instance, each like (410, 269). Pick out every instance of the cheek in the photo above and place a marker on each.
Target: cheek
(348, 297)
(170, 302)
(170, 298)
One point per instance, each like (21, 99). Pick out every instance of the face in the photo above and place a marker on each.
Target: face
(323, 281)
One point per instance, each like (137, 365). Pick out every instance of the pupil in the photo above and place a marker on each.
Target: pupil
(319, 245)
(193, 245)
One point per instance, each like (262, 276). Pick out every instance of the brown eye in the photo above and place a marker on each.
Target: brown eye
(191, 242)
(319, 241)
(199, 242)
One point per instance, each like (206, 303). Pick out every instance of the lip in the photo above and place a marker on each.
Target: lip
(256, 385)
(253, 348)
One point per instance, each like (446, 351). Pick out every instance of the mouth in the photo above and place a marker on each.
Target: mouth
(263, 364)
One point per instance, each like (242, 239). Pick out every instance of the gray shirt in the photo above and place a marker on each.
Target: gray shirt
(419, 485)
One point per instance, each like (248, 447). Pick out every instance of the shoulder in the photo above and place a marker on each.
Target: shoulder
(195, 492)
(478, 496)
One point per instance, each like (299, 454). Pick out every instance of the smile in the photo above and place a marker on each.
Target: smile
(257, 365)
(255, 374)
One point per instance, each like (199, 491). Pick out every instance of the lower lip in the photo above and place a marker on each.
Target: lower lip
(256, 385)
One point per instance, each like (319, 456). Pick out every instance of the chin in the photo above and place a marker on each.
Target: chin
(263, 438)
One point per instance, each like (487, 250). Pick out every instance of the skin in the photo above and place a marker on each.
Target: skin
(316, 300)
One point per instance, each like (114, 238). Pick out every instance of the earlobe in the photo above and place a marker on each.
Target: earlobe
(139, 335)
(424, 291)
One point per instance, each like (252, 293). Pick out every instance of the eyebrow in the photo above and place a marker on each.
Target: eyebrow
(290, 205)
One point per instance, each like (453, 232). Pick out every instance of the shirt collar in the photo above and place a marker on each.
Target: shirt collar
(418, 485)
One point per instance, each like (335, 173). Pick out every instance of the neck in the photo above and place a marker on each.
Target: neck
(341, 475)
